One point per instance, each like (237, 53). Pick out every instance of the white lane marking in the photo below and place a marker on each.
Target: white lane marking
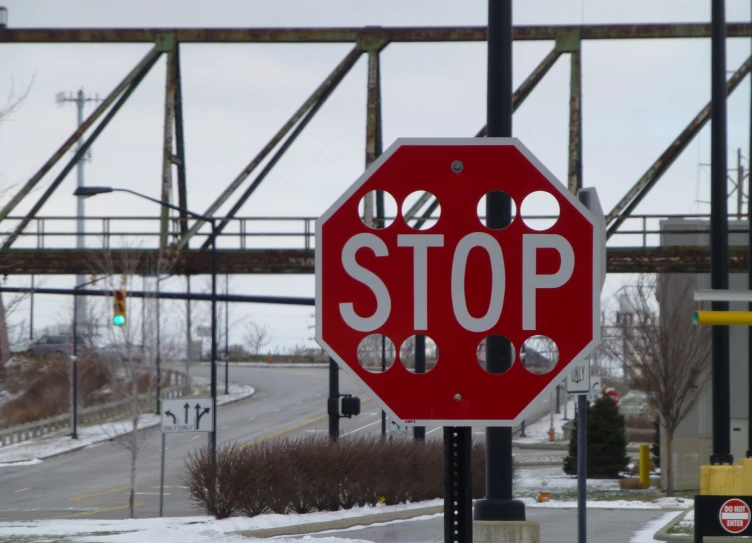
(197, 437)
(23, 489)
(358, 429)
(431, 431)
(300, 402)
(252, 418)
(318, 395)
(278, 409)
(224, 428)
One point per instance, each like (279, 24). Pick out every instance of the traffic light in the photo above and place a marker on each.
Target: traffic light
(118, 308)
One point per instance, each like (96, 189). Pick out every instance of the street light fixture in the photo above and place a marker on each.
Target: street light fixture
(86, 192)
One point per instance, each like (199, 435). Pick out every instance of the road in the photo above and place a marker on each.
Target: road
(557, 526)
(94, 482)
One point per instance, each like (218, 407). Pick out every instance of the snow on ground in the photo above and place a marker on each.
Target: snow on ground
(547, 478)
(645, 535)
(34, 450)
(186, 529)
(204, 529)
(537, 432)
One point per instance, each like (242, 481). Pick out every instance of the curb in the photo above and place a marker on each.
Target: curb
(82, 447)
(341, 524)
(663, 535)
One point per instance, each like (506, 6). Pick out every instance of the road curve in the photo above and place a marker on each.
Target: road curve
(93, 482)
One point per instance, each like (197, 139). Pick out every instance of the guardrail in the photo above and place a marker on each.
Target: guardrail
(57, 232)
(178, 387)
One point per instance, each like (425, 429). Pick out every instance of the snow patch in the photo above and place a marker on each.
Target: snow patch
(646, 534)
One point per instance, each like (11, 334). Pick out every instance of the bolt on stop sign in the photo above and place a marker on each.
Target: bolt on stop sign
(457, 282)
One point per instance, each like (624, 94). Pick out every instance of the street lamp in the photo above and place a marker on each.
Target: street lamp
(86, 192)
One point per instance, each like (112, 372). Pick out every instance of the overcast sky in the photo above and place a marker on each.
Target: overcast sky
(637, 97)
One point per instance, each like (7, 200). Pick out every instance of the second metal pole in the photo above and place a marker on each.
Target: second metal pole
(161, 478)
(719, 276)
(582, 407)
(498, 504)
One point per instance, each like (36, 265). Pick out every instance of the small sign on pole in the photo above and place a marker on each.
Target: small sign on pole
(578, 379)
(187, 415)
(184, 415)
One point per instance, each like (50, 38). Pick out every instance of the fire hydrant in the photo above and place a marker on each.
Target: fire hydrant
(551, 434)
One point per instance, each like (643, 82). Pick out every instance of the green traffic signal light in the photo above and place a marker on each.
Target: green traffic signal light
(118, 320)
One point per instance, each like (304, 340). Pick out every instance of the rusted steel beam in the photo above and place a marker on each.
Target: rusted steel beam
(301, 261)
(326, 87)
(356, 34)
(180, 145)
(167, 145)
(146, 63)
(80, 152)
(519, 96)
(629, 202)
(373, 98)
(575, 123)
(283, 148)
(530, 83)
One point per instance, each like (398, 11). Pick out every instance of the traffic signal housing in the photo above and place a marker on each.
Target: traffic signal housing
(118, 308)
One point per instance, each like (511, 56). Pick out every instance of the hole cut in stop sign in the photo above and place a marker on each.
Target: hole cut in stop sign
(458, 281)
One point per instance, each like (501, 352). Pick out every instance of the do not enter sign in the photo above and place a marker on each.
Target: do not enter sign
(735, 516)
(458, 281)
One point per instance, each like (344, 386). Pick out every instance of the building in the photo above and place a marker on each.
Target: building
(693, 440)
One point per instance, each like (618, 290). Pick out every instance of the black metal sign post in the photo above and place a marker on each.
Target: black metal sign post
(458, 494)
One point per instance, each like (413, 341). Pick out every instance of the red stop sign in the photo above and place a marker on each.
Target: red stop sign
(735, 515)
(458, 281)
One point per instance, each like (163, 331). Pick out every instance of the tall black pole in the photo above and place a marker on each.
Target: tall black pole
(213, 436)
(582, 410)
(74, 373)
(749, 276)
(333, 401)
(419, 432)
(719, 237)
(159, 353)
(31, 311)
(227, 336)
(498, 503)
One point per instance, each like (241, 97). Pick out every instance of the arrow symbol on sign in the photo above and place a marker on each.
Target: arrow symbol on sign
(174, 418)
(200, 414)
(187, 407)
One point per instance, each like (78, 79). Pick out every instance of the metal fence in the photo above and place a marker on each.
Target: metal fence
(178, 387)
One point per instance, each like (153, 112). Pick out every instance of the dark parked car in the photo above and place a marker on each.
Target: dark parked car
(56, 345)
(122, 353)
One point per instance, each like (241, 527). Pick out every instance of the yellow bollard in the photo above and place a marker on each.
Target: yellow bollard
(645, 465)
(721, 480)
(746, 464)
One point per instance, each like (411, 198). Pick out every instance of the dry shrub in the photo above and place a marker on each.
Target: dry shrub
(312, 473)
(213, 485)
(40, 387)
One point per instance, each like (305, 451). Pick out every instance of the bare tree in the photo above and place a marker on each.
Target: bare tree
(257, 336)
(12, 104)
(667, 357)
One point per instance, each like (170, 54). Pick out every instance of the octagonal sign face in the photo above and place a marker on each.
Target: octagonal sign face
(458, 282)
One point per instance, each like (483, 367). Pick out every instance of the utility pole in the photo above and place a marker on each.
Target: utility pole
(80, 100)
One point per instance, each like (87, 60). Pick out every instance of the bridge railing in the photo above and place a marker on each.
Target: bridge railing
(288, 232)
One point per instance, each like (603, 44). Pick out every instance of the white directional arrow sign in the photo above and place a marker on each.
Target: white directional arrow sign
(187, 415)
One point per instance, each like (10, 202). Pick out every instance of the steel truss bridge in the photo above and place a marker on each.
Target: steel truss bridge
(32, 244)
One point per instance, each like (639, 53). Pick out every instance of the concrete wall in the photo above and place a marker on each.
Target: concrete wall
(693, 440)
